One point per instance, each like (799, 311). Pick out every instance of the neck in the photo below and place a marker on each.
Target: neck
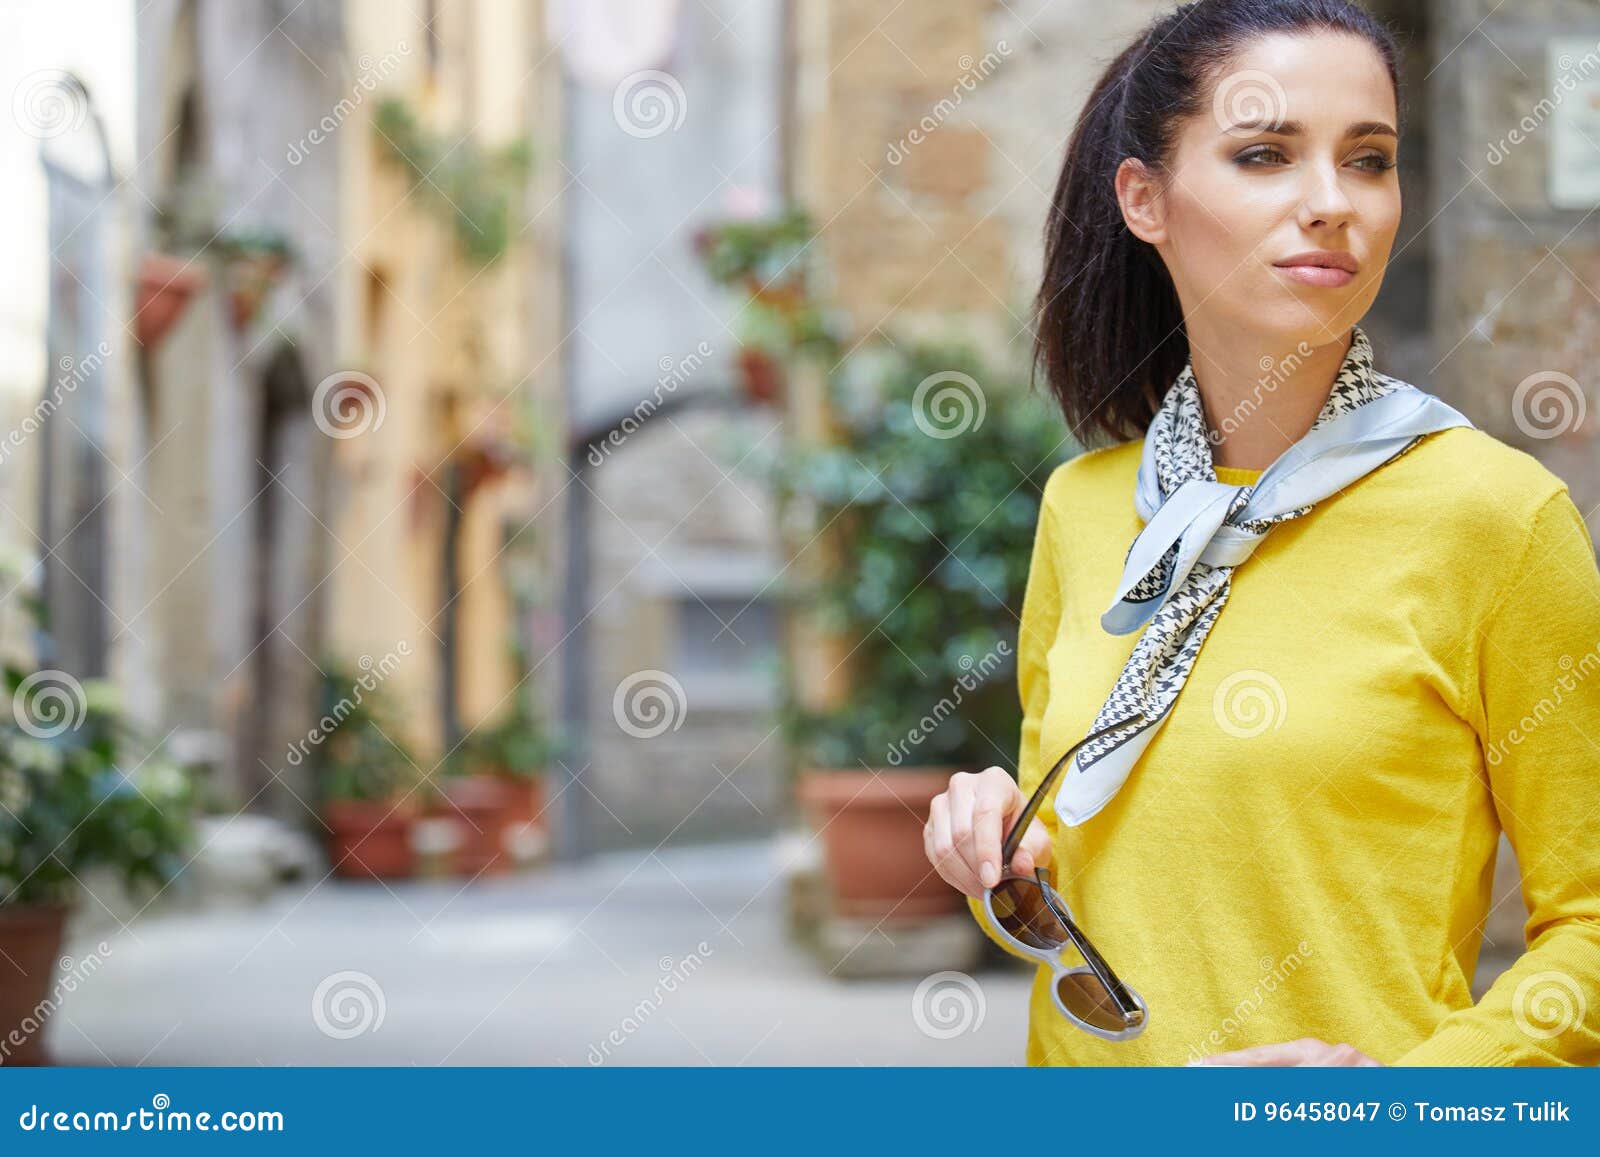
(1254, 414)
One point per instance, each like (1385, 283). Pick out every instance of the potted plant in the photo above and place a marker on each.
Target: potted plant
(517, 750)
(253, 260)
(768, 263)
(495, 786)
(163, 286)
(931, 489)
(368, 778)
(79, 791)
(478, 806)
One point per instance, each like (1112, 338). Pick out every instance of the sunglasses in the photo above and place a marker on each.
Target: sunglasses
(1035, 918)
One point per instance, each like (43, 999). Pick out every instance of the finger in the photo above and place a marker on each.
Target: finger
(963, 802)
(1348, 1056)
(942, 852)
(988, 825)
(1034, 850)
(1288, 1054)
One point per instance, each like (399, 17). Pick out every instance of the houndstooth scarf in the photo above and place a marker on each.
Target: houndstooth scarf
(1179, 569)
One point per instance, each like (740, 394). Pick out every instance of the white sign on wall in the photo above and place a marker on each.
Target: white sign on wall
(1574, 74)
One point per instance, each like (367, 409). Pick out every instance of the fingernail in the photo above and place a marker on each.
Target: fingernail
(988, 874)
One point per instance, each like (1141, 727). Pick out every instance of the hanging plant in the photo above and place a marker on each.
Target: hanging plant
(474, 189)
(768, 261)
(252, 262)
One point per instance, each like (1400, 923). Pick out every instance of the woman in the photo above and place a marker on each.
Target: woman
(1345, 698)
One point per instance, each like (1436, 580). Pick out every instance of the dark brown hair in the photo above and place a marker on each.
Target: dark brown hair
(1109, 330)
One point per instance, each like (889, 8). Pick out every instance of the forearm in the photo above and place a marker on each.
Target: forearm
(1543, 1010)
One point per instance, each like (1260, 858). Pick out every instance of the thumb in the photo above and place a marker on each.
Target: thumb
(1034, 850)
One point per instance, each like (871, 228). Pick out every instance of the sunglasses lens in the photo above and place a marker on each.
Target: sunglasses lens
(1020, 909)
(1087, 999)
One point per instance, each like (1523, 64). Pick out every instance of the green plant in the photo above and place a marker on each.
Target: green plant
(475, 189)
(518, 744)
(80, 789)
(930, 494)
(361, 750)
(771, 264)
(760, 252)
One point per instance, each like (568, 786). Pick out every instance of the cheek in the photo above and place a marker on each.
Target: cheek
(1382, 218)
(1219, 241)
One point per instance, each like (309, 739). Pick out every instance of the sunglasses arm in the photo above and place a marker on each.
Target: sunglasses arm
(1018, 829)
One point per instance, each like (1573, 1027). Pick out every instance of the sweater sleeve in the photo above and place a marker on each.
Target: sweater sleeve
(1036, 631)
(1539, 684)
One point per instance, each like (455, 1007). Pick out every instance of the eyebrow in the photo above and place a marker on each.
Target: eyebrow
(1295, 128)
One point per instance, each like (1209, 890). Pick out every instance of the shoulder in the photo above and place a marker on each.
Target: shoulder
(1500, 519)
(1471, 476)
(1104, 474)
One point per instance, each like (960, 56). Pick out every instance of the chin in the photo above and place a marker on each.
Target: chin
(1312, 321)
(1293, 323)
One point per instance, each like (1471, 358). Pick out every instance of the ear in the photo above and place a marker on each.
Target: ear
(1139, 195)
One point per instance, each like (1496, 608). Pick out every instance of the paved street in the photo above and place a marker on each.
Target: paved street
(553, 967)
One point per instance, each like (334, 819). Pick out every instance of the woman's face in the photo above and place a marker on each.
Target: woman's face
(1295, 156)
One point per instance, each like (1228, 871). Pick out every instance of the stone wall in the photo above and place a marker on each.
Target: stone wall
(1519, 280)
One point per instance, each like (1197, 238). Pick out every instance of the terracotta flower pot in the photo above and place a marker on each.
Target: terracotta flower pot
(480, 806)
(30, 939)
(524, 799)
(371, 839)
(871, 832)
(761, 375)
(161, 293)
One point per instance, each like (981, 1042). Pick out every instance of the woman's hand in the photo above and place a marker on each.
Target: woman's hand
(966, 828)
(1306, 1052)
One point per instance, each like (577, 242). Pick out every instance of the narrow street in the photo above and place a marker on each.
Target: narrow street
(536, 969)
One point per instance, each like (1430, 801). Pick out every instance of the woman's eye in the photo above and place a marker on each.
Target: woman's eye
(1262, 156)
(1375, 162)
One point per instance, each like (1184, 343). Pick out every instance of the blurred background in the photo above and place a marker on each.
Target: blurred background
(510, 508)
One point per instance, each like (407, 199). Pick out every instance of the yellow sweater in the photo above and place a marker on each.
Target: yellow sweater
(1306, 847)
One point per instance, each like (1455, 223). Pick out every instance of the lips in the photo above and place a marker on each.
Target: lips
(1321, 268)
(1323, 259)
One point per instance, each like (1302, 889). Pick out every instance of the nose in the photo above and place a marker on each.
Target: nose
(1325, 203)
